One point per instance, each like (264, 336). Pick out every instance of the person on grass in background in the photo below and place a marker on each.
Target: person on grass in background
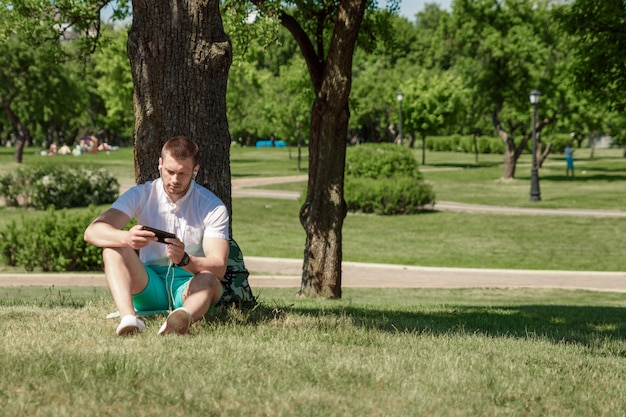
(569, 160)
(181, 275)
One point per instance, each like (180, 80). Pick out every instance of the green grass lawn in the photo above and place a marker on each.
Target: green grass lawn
(265, 227)
(599, 182)
(375, 352)
(390, 352)
(446, 239)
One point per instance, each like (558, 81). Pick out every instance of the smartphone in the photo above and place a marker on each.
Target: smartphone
(160, 234)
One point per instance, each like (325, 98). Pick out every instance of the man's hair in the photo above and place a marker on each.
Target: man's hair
(181, 147)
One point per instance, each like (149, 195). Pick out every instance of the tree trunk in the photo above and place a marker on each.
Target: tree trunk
(180, 58)
(512, 152)
(542, 152)
(510, 159)
(323, 212)
(23, 134)
(411, 140)
(476, 147)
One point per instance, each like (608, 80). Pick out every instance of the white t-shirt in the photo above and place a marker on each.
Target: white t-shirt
(196, 215)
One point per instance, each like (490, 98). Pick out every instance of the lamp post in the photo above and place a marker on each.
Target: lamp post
(400, 96)
(535, 193)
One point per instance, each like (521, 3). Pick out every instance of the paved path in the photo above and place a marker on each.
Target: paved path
(278, 272)
(286, 273)
(242, 188)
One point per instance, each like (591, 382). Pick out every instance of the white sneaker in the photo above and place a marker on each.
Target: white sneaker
(178, 322)
(130, 325)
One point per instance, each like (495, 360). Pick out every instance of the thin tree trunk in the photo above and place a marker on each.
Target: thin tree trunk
(323, 213)
(510, 160)
(476, 147)
(23, 134)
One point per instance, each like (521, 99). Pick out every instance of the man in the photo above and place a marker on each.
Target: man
(184, 272)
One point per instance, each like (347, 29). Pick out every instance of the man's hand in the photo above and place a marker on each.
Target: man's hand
(175, 250)
(139, 238)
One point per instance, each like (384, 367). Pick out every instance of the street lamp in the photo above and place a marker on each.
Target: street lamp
(535, 194)
(400, 96)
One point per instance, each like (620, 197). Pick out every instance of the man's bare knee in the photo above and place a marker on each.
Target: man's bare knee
(114, 254)
(204, 282)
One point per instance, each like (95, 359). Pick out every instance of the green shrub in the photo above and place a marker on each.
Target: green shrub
(496, 146)
(59, 187)
(384, 179)
(458, 143)
(467, 144)
(11, 188)
(383, 160)
(388, 196)
(53, 242)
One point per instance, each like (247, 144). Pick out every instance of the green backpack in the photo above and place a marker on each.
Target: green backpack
(235, 282)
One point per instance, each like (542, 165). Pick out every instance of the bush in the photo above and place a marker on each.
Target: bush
(484, 145)
(59, 187)
(383, 160)
(384, 179)
(457, 143)
(53, 242)
(388, 196)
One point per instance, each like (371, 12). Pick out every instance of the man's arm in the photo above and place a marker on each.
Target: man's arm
(105, 232)
(215, 259)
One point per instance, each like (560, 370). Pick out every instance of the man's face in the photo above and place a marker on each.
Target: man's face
(177, 175)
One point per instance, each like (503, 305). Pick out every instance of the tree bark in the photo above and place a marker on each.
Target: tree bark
(23, 134)
(513, 152)
(323, 212)
(180, 58)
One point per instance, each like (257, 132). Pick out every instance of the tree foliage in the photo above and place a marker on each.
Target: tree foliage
(93, 92)
(598, 33)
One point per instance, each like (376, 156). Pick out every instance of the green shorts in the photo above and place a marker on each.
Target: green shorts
(165, 289)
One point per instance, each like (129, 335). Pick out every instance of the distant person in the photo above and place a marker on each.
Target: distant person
(104, 146)
(569, 161)
(181, 274)
(53, 149)
(64, 150)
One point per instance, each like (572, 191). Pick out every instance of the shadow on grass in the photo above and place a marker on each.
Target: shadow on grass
(461, 165)
(578, 178)
(587, 325)
(590, 326)
(234, 175)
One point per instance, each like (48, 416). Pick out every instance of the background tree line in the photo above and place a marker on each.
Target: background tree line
(465, 71)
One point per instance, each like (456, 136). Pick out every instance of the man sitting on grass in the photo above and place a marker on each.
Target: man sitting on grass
(181, 272)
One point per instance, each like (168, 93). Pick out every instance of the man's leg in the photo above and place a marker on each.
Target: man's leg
(125, 275)
(199, 294)
(202, 291)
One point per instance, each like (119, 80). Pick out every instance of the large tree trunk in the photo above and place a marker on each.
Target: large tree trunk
(323, 213)
(180, 58)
